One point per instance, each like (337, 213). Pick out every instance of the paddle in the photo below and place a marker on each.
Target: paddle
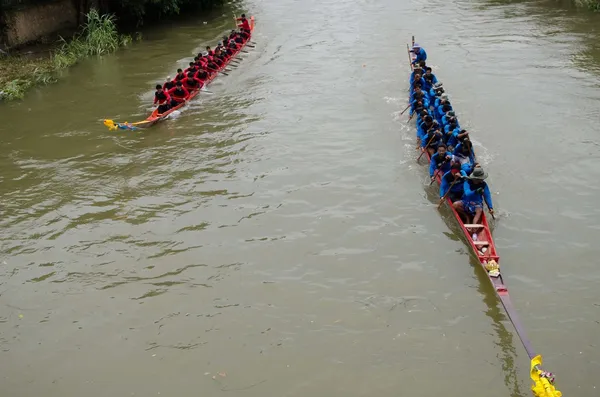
(435, 174)
(439, 168)
(424, 150)
(409, 57)
(405, 109)
(491, 211)
(448, 192)
(219, 71)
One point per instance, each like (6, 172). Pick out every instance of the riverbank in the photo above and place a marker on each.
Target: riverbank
(98, 36)
(20, 73)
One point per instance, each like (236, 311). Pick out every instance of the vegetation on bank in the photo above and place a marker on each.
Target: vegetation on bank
(593, 5)
(98, 36)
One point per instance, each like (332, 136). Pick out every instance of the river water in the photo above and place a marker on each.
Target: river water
(278, 238)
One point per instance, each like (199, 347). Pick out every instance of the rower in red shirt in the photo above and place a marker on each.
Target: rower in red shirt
(202, 75)
(239, 39)
(180, 75)
(193, 68)
(192, 83)
(168, 84)
(201, 62)
(232, 44)
(162, 98)
(212, 65)
(178, 94)
(245, 34)
(245, 24)
(218, 58)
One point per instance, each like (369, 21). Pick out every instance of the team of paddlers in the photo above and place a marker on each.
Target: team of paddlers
(175, 91)
(449, 146)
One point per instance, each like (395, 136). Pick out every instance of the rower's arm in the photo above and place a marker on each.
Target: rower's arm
(432, 165)
(487, 196)
(467, 189)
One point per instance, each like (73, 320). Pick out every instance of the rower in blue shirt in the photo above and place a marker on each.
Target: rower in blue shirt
(429, 78)
(451, 127)
(441, 110)
(416, 107)
(463, 154)
(470, 207)
(419, 95)
(453, 181)
(423, 125)
(432, 138)
(440, 98)
(417, 79)
(436, 90)
(416, 70)
(454, 136)
(440, 162)
(420, 53)
(448, 118)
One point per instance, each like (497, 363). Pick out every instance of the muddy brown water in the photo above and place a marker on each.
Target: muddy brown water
(277, 237)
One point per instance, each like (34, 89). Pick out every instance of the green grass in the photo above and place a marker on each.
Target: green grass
(99, 36)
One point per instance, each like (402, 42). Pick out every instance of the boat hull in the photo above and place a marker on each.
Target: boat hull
(482, 246)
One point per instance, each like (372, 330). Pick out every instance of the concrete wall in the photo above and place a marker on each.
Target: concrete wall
(34, 22)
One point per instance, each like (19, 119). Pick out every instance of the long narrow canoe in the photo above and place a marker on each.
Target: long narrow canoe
(485, 250)
(156, 117)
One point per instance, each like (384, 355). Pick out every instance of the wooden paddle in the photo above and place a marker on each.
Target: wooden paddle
(423, 150)
(437, 172)
(409, 57)
(405, 109)
(491, 211)
(448, 192)
(215, 70)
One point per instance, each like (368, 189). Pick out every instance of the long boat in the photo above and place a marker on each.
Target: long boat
(479, 238)
(156, 117)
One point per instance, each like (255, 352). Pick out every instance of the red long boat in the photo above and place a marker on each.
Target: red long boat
(484, 248)
(156, 117)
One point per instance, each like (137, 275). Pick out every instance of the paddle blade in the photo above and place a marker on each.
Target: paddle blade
(543, 382)
(110, 124)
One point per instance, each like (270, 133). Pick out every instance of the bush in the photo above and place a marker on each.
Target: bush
(99, 36)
